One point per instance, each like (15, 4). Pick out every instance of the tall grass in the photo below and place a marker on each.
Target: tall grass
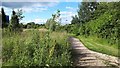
(35, 48)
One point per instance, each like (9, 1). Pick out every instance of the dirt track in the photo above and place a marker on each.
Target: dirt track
(82, 56)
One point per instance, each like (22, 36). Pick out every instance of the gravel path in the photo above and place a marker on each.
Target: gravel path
(82, 56)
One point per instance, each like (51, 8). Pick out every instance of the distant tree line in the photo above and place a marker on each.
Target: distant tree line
(14, 23)
(32, 25)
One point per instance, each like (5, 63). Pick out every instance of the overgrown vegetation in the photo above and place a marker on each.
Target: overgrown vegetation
(53, 23)
(35, 48)
(102, 21)
(97, 25)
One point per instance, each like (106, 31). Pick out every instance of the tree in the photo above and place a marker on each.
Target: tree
(32, 25)
(4, 21)
(21, 25)
(75, 20)
(14, 22)
(0, 20)
(85, 14)
(51, 24)
(86, 10)
(19, 13)
(54, 22)
(100, 9)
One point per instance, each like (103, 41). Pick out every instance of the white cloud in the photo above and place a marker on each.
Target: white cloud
(29, 6)
(68, 13)
(66, 16)
(45, 4)
(40, 21)
(37, 21)
(73, 0)
(25, 9)
(69, 8)
(30, 0)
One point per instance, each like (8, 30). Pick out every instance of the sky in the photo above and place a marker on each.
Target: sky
(39, 12)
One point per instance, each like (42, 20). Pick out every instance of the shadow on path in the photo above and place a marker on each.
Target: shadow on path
(82, 56)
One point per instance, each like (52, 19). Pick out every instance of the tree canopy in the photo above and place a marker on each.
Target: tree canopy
(100, 19)
(4, 21)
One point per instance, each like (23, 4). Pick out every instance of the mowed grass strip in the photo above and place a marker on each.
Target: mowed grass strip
(94, 44)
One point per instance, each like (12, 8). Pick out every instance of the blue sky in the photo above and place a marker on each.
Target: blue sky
(39, 12)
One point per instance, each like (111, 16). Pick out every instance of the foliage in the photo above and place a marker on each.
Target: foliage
(34, 48)
(53, 23)
(104, 22)
(19, 13)
(86, 9)
(4, 21)
(31, 25)
(15, 19)
(72, 28)
(75, 20)
(14, 22)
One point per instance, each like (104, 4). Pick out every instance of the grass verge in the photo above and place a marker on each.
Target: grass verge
(99, 45)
